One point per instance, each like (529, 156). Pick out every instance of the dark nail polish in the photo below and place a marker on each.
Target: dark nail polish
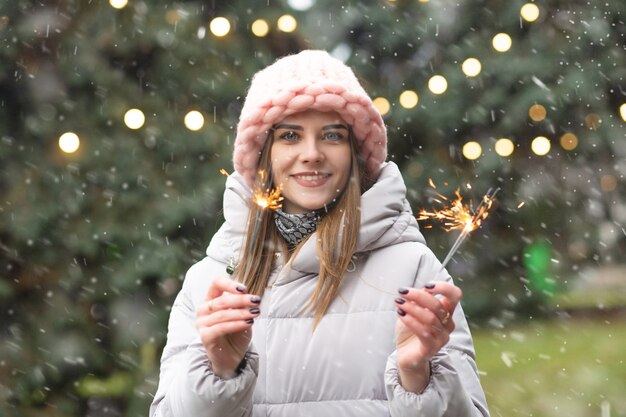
(429, 285)
(249, 321)
(240, 288)
(255, 299)
(401, 312)
(255, 310)
(400, 300)
(403, 290)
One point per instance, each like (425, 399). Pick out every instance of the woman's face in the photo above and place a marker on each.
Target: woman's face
(311, 157)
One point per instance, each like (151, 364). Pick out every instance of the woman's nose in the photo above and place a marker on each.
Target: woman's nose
(310, 151)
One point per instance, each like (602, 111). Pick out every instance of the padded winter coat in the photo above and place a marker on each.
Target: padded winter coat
(347, 366)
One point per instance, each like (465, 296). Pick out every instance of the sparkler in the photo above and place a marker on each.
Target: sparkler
(455, 215)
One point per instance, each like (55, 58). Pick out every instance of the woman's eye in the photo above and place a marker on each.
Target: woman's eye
(290, 135)
(333, 136)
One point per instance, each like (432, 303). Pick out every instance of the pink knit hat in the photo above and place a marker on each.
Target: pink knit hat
(295, 83)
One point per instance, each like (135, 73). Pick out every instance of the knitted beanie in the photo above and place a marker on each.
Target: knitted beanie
(295, 83)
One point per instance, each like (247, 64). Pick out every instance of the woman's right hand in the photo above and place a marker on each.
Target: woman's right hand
(224, 321)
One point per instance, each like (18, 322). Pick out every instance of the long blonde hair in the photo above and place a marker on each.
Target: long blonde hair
(337, 235)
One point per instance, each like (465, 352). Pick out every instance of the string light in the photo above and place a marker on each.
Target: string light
(472, 150)
(504, 147)
(437, 84)
(471, 67)
(220, 26)
(382, 105)
(529, 12)
(134, 119)
(69, 142)
(540, 145)
(118, 4)
(260, 28)
(194, 120)
(622, 111)
(502, 42)
(287, 23)
(537, 112)
(569, 141)
(409, 99)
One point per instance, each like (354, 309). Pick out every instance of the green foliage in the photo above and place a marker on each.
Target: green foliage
(94, 244)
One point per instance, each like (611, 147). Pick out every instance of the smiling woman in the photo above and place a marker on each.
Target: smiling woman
(335, 305)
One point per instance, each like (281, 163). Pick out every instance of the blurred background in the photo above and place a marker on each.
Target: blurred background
(117, 116)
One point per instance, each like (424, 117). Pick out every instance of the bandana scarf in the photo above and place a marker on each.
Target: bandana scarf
(294, 228)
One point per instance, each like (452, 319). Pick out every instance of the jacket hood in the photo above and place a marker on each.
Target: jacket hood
(386, 219)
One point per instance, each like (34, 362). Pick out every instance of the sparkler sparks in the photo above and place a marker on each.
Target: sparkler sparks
(456, 215)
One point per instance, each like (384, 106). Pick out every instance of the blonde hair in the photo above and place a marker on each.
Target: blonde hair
(337, 236)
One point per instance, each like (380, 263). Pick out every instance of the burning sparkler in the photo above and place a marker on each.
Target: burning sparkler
(456, 215)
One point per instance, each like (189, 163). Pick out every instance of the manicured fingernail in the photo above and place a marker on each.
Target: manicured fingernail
(240, 288)
(255, 299)
(249, 321)
(403, 290)
(400, 300)
(401, 312)
(255, 310)
(429, 285)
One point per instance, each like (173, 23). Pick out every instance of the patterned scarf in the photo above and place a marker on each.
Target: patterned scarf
(294, 228)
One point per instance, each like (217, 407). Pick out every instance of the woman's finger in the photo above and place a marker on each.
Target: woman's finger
(450, 292)
(424, 300)
(228, 301)
(223, 316)
(430, 337)
(222, 285)
(212, 333)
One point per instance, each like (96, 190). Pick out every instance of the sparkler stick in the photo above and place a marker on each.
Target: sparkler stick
(460, 216)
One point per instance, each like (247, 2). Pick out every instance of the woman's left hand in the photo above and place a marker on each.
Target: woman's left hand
(423, 328)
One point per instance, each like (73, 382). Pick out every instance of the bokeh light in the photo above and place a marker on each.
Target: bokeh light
(287, 23)
(409, 99)
(118, 4)
(472, 150)
(69, 142)
(301, 5)
(537, 112)
(504, 147)
(194, 120)
(134, 119)
(502, 42)
(569, 141)
(382, 105)
(622, 111)
(608, 183)
(260, 28)
(220, 26)
(471, 67)
(437, 84)
(540, 145)
(593, 121)
(529, 12)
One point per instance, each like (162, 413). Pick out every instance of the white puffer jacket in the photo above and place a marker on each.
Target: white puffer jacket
(347, 366)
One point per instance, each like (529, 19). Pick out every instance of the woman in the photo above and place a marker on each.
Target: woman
(335, 306)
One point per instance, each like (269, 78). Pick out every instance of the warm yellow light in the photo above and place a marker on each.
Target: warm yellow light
(287, 23)
(472, 150)
(194, 120)
(260, 28)
(382, 105)
(622, 111)
(437, 84)
(118, 4)
(540, 145)
(134, 119)
(569, 141)
(409, 99)
(608, 183)
(502, 42)
(504, 147)
(471, 67)
(537, 112)
(220, 26)
(529, 12)
(593, 121)
(69, 142)
(423, 1)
